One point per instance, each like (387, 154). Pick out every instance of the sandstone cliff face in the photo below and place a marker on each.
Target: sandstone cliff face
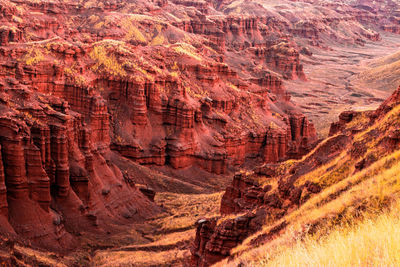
(249, 35)
(216, 237)
(181, 118)
(75, 95)
(53, 176)
(56, 178)
(169, 115)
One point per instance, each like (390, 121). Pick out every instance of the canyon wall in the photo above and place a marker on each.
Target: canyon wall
(75, 97)
(172, 84)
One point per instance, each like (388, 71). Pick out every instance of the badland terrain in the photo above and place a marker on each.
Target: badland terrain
(199, 132)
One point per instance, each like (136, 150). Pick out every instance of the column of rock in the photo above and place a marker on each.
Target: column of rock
(40, 135)
(180, 145)
(302, 133)
(153, 98)
(59, 154)
(271, 150)
(283, 145)
(139, 109)
(82, 165)
(309, 133)
(39, 182)
(14, 168)
(85, 147)
(3, 190)
(99, 121)
(296, 125)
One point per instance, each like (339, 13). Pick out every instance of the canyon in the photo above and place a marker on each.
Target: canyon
(150, 129)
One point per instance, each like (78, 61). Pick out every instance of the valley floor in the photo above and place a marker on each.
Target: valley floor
(167, 237)
(334, 82)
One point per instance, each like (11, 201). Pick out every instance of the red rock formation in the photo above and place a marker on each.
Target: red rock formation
(213, 241)
(3, 192)
(9, 35)
(216, 237)
(47, 176)
(79, 83)
(285, 59)
(182, 120)
(387, 105)
(162, 131)
(344, 118)
(202, 6)
(38, 180)
(230, 202)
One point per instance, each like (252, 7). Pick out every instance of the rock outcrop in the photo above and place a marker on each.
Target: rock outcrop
(184, 102)
(214, 241)
(216, 237)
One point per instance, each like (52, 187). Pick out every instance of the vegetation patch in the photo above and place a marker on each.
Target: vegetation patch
(132, 31)
(106, 61)
(187, 50)
(33, 56)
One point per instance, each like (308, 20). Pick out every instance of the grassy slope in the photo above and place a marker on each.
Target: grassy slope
(372, 242)
(382, 74)
(351, 222)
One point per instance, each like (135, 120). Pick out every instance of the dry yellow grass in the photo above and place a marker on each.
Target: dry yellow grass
(373, 242)
(338, 210)
(106, 61)
(383, 74)
(74, 75)
(188, 50)
(44, 258)
(132, 31)
(33, 56)
(185, 209)
(390, 119)
(20, 255)
(141, 258)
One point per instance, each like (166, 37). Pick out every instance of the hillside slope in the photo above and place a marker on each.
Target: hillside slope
(349, 177)
(382, 74)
